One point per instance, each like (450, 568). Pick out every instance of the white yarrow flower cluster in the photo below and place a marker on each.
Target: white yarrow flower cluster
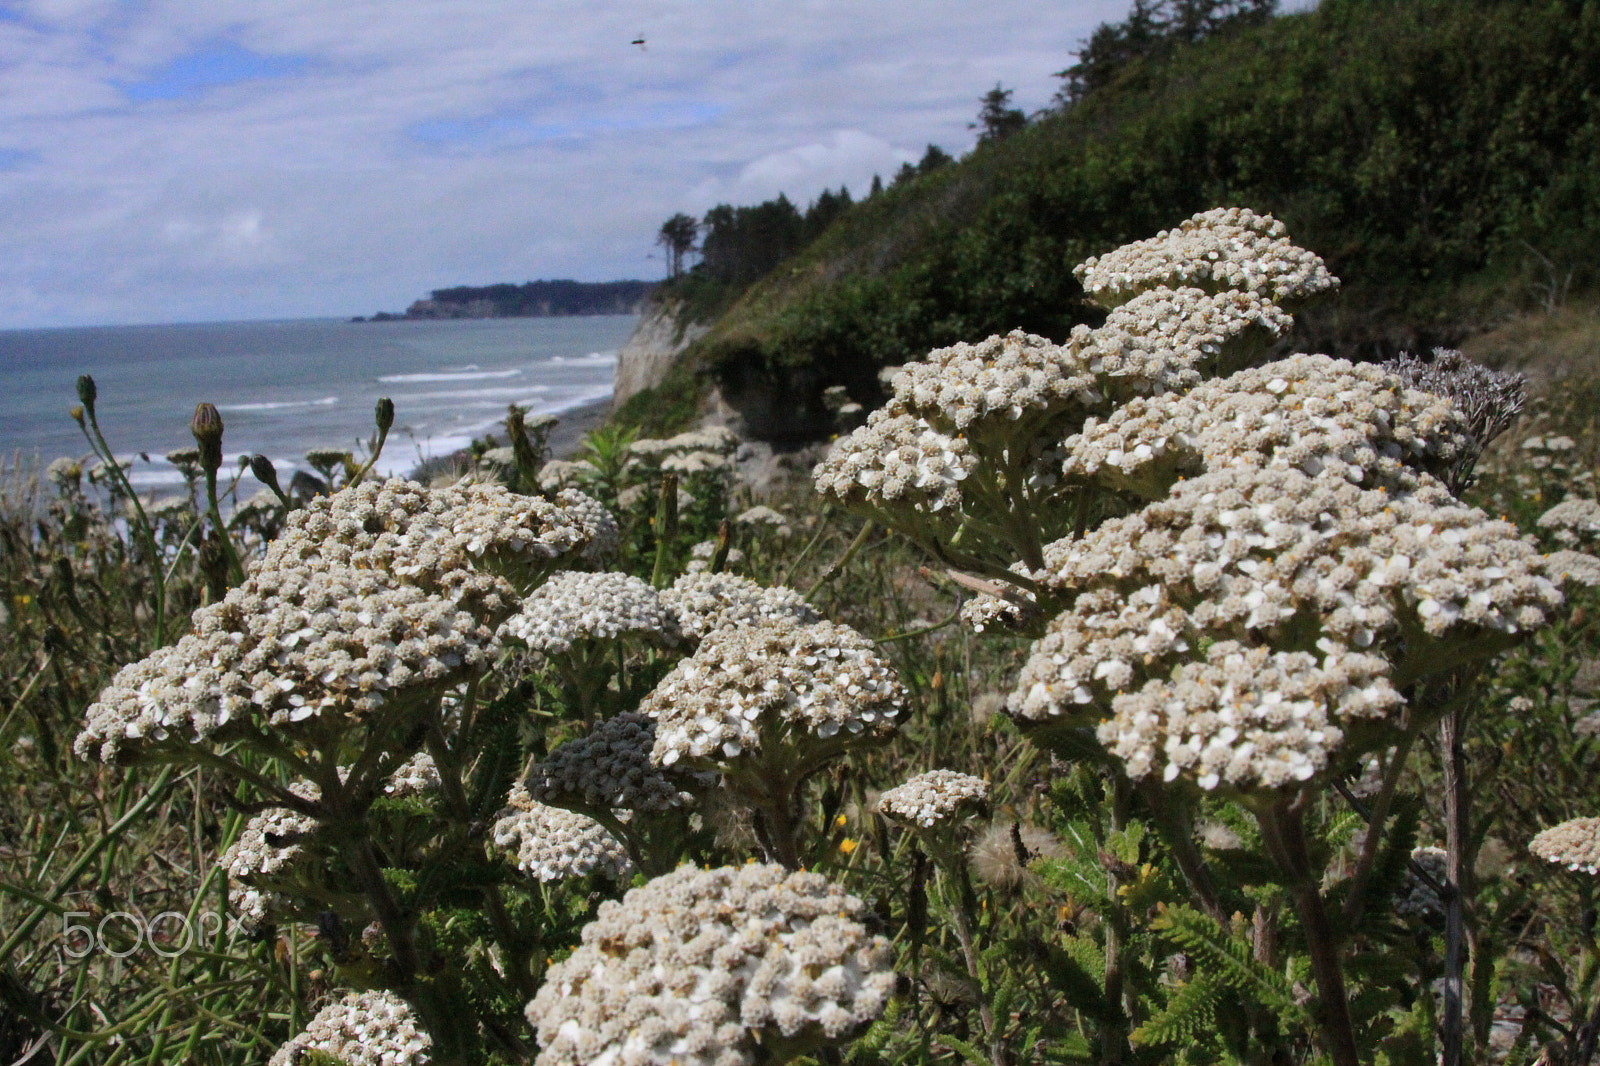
(268, 846)
(706, 602)
(777, 683)
(368, 594)
(933, 797)
(1251, 558)
(975, 422)
(574, 605)
(1246, 717)
(417, 776)
(1224, 248)
(553, 844)
(1309, 412)
(558, 474)
(1572, 522)
(897, 460)
(1574, 844)
(722, 967)
(762, 515)
(362, 1029)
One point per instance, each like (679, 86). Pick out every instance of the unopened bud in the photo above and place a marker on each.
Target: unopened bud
(87, 392)
(265, 472)
(207, 429)
(385, 414)
(77, 415)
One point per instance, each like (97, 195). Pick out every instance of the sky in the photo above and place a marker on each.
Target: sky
(221, 160)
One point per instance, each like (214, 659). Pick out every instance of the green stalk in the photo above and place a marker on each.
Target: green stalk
(97, 443)
(844, 560)
(29, 924)
(235, 567)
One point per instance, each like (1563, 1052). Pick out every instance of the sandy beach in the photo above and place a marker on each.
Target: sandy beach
(567, 437)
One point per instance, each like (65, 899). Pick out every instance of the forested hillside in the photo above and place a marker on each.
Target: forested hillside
(1442, 155)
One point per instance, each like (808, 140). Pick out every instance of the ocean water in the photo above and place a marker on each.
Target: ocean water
(286, 387)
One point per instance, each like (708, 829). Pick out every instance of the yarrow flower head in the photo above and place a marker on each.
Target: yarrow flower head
(724, 967)
(369, 595)
(267, 850)
(1574, 844)
(703, 552)
(763, 516)
(610, 769)
(417, 776)
(937, 796)
(706, 602)
(552, 844)
(290, 646)
(897, 460)
(362, 1029)
(1573, 522)
(574, 606)
(1308, 412)
(783, 689)
(1224, 248)
(976, 424)
(1298, 589)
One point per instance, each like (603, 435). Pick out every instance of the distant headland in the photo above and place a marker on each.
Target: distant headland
(533, 299)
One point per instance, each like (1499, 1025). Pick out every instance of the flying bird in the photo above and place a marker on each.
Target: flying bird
(640, 42)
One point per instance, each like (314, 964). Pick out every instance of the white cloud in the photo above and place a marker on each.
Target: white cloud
(170, 160)
(843, 157)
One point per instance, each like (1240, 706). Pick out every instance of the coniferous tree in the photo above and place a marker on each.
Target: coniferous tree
(1153, 26)
(997, 119)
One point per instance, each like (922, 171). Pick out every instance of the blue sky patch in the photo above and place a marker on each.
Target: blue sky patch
(208, 68)
(16, 158)
(500, 130)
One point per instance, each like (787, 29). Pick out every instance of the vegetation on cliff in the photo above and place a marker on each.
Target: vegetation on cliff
(531, 299)
(1444, 155)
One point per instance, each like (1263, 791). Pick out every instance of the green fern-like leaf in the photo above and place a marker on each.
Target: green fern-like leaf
(967, 1051)
(1229, 960)
(1190, 1011)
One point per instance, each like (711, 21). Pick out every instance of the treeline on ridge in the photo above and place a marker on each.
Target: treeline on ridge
(532, 299)
(1442, 155)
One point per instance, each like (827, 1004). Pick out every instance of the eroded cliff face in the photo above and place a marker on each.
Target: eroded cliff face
(657, 341)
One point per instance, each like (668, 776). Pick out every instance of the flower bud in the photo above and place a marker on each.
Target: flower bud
(77, 414)
(87, 392)
(207, 429)
(385, 414)
(265, 472)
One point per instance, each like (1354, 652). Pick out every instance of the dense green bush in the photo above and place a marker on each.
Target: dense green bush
(1445, 154)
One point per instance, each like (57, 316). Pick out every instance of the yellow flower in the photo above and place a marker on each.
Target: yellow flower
(846, 846)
